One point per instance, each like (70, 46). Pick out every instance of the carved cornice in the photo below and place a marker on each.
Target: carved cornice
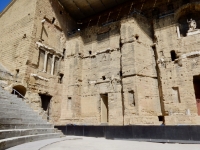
(49, 49)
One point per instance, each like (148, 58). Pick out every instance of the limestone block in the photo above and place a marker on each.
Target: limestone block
(182, 120)
(142, 120)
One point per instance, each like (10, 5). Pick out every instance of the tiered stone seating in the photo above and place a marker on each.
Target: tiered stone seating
(20, 124)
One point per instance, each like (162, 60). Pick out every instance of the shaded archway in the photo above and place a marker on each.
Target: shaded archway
(19, 90)
(185, 14)
(185, 9)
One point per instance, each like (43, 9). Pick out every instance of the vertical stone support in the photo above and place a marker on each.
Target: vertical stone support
(45, 61)
(53, 64)
(178, 31)
(59, 63)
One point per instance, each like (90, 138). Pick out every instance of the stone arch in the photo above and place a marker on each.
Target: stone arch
(185, 9)
(19, 88)
(185, 13)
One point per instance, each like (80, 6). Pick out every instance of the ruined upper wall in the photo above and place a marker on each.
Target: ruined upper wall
(16, 30)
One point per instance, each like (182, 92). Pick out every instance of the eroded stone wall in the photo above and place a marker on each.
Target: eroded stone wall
(122, 73)
(114, 60)
(177, 75)
(16, 30)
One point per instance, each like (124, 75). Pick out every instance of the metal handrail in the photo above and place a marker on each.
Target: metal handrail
(18, 93)
(48, 117)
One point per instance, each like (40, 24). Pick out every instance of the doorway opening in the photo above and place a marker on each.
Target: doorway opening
(196, 81)
(45, 101)
(104, 108)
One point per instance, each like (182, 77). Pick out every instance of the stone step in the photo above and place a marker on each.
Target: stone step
(15, 107)
(12, 110)
(10, 142)
(8, 96)
(14, 100)
(19, 121)
(25, 126)
(23, 132)
(19, 114)
(11, 102)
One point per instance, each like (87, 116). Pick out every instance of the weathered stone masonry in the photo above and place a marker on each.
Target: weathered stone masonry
(136, 63)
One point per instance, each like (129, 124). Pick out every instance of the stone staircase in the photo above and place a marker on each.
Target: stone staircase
(20, 124)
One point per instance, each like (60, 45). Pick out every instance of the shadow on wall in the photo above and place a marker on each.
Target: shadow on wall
(65, 21)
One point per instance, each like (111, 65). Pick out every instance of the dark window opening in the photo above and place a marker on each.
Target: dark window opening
(90, 52)
(69, 98)
(136, 37)
(161, 118)
(24, 36)
(53, 20)
(173, 55)
(60, 80)
(64, 51)
(103, 77)
(17, 72)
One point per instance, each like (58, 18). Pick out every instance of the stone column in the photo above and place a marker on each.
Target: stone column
(59, 64)
(178, 31)
(53, 64)
(45, 61)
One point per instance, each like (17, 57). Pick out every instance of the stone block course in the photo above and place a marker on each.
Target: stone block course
(137, 69)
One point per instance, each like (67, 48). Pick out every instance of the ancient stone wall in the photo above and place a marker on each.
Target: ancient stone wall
(46, 77)
(136, 70)
(115, 61)
(16, 30)
(177, 73)
(139, 73)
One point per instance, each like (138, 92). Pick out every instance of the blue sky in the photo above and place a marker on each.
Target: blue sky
(3, 4)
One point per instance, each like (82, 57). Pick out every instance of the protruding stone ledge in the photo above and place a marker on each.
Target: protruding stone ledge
(39, 77)
(108, 50)
(47, 48)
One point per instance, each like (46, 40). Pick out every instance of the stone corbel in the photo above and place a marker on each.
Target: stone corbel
(39, 77)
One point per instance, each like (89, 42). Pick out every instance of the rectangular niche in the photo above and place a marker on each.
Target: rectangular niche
(104, 108)
(131, 98)
(176, 95)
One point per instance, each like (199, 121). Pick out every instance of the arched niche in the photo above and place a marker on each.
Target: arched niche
(20, 89)
(184, 14)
